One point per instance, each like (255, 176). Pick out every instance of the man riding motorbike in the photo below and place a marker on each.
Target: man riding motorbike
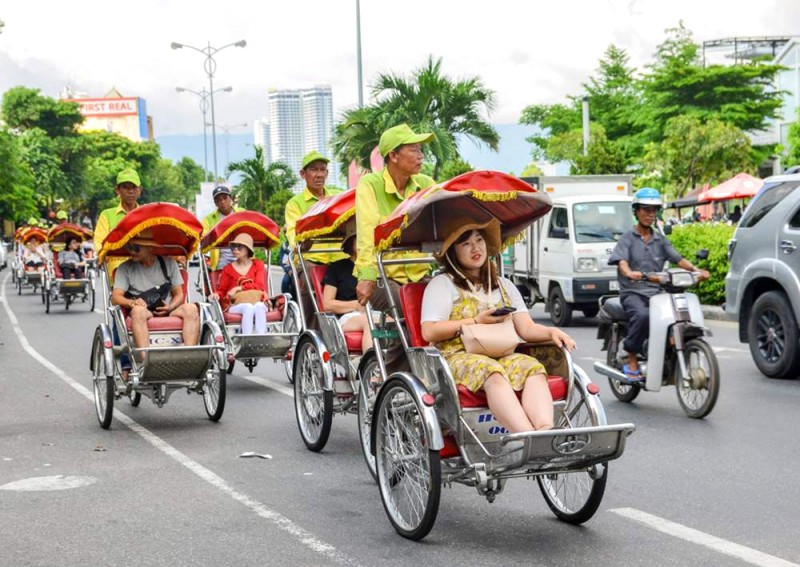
(641, 251)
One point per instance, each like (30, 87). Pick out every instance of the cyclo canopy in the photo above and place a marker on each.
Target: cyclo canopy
(28, 232)
(176, 230)
(262, 228)
(331, 217)
(62, 232)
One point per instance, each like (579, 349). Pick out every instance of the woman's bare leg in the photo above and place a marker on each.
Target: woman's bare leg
(360, 324)
(537, 402)
(504, 404)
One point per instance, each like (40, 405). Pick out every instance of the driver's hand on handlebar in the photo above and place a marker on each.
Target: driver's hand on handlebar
(635, 276)
(562, 339)
(364, 290)
(704, 275)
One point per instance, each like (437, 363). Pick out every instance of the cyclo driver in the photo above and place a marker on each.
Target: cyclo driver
(642, 250)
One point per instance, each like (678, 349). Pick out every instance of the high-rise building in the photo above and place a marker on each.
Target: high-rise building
(261, 137)
(298, 121)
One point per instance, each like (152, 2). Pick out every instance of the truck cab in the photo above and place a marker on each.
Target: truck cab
(563, 258)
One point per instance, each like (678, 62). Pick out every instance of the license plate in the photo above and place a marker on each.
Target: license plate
(613, 286)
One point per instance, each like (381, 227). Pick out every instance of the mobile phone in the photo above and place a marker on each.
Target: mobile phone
(505, 310)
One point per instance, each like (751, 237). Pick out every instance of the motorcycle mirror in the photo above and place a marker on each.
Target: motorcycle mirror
(702, 254)
(668, 229)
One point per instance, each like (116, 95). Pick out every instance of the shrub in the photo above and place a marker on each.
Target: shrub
(690, 238)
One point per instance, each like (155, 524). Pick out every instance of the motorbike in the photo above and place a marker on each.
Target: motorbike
(677, 351)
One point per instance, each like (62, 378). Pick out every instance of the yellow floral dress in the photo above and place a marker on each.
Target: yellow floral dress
(472, 370)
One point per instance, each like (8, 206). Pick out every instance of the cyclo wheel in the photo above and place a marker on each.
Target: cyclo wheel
(366, 402)
(574, 497)
(409, 474)
(91, 288)
(47, 303)
(698, 394)
(103, 386)
(135, 398)
(623, 392)
(214, 391)
(292, 325)
(313, 404)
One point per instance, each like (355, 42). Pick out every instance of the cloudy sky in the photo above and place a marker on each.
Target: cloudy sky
(527, 51)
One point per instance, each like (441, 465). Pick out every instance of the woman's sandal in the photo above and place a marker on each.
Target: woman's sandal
(633, 376)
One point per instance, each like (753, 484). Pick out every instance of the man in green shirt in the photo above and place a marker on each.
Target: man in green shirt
(314, 171)
(128, 188)
(224, 202)
(377, 196)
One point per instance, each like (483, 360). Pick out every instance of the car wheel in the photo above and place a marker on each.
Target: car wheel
(772, 333)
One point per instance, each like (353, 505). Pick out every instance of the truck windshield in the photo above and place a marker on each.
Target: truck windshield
(601, 221)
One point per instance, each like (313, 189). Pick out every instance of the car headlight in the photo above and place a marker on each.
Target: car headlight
(587, 264)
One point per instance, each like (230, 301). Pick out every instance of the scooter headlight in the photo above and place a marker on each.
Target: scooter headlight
(682, 279)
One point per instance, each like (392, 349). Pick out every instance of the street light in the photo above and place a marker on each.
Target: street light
(227, 129)
(204, 94)
(210, 67)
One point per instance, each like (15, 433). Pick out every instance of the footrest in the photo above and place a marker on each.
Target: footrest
(560, 450)
(271, 345)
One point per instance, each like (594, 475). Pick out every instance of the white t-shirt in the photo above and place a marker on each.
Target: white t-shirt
(441, 294)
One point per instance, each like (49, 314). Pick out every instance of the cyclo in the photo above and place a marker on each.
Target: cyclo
(282, 310)
(54, 286)
(169, 365)
(27, 275)
(328, 363)
(426, 431)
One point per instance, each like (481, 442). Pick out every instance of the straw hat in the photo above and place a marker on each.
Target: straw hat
(245, 240)
(456, 226)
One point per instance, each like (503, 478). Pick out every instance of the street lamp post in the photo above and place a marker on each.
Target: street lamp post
(358, 54)
(210, 67)
(227, 129)
(204, 95)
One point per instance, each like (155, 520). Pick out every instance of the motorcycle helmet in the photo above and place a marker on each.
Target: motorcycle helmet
(647, 197)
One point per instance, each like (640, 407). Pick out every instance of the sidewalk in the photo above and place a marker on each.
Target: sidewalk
(716, 313)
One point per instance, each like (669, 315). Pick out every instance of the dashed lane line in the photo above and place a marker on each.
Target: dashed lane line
(715, 543)
(275, 518)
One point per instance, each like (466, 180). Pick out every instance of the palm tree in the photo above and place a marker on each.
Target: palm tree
(260, 182)
(428, 102)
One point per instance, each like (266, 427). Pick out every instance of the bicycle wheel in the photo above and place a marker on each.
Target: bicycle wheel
(367, 392)
(214, 391)
(312, 403)
(102, 385)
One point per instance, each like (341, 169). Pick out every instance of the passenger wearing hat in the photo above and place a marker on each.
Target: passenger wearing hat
(128, 188)
(143, 272)
(245, 275)
(377, 196)
(314, 171)
(224, 202)
(471, 292)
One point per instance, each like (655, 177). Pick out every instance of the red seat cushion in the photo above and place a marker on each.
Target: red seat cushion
(316, 274)
(56, 267)
(411, 304)
(469, 399)
(353, 339)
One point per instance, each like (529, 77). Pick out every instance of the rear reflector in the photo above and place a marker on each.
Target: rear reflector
(326, 356)
(428, 399)
(219, 338)
(108, 344)
(593, 389)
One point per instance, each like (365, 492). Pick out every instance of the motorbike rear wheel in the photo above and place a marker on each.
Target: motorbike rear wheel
(698, 394)
(623, 392)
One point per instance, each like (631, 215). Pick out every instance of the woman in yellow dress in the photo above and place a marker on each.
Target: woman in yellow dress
(469, 292)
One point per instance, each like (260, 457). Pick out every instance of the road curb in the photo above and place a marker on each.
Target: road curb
(716, 313)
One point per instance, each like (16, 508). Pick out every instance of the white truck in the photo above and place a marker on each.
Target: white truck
(563, 258)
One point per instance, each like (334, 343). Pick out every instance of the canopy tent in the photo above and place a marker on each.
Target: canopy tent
(691, 199)
(740, 186)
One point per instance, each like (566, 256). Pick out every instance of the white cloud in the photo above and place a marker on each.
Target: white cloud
(527, 52)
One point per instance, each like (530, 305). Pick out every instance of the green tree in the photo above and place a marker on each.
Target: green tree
(694, 153)
(792, 154)
(532, 170)
(260, 182)
(603, 156)
(275, 207)
(17, 194)
(428, 101)
(25, 109)
(454, 168)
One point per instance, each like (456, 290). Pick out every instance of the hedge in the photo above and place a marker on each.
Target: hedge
(688, 239)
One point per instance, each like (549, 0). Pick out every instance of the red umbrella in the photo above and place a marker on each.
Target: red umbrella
(480, 195)
(262, 228)
(738, 187)
(332, 216)
(174, 228)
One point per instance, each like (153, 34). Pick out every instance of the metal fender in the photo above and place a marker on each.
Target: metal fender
(106, 338)
(662, 317)
(211, 326)
(592, 401)
(429, 418)
(695, 309)
(319, 344)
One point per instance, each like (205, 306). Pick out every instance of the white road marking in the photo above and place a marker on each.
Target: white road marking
(730, 349)
(48, 483)
(720, 545)
(281, 522)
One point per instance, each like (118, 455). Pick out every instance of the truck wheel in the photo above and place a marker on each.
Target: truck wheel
(772, 333)
(590, 311)
(560, 310)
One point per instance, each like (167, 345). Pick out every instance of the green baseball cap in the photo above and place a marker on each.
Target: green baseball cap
(396, 136)
(61, 215)
(130, 176)
(311, 157)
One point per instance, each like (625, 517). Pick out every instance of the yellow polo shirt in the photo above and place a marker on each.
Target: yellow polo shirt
(106, 222)
(296, 207)
(376, 199)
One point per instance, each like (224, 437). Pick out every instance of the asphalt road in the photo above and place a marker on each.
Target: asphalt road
(167, 486)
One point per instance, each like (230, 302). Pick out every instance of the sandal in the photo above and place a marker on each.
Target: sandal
(632, 376)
